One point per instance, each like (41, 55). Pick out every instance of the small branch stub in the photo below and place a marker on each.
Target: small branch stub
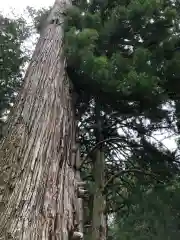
(77, 236)
(81, 192)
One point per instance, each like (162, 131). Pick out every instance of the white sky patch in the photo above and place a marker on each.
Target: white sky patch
(18, 6)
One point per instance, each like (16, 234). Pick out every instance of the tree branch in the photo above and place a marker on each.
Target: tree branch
(127, 171)
(98, 145)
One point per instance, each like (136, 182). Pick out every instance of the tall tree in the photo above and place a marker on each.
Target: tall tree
(39, 188)
(123, 53)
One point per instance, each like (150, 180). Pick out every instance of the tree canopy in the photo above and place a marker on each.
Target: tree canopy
(125, 55)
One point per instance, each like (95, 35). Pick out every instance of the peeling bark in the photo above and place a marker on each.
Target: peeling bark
(38, 184)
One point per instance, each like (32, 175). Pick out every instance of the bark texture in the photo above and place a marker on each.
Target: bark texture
(37, 182)
(99, 204)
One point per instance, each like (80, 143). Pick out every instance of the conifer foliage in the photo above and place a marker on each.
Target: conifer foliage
(125, 54)
(123, 50)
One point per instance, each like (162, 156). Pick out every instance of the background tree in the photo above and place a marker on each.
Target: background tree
(153, 213)
(125, 54)
(13, 33)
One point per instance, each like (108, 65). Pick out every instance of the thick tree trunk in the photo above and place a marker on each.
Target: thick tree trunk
(38, 184)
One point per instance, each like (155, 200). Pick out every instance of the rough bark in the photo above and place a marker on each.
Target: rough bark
(38, 184)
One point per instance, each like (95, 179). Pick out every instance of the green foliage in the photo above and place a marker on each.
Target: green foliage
(122, 48)
(80, 42)
(153, 214)
(126, 55)
(12, 59)
(39, 17)
(122, 52)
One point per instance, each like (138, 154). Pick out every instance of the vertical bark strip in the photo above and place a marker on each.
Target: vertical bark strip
(99, 205)
(37, 181)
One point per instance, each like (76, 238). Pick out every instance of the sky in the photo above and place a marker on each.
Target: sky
(18, 7)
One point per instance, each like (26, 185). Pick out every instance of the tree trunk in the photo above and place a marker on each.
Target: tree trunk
(98, 216)
(39, 197)
(99, 205)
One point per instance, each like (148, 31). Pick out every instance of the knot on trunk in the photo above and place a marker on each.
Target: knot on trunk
(81, 192)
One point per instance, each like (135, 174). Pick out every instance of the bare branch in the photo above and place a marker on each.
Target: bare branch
(100, 144)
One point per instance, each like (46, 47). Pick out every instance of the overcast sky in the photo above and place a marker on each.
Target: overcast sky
(19, 5)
